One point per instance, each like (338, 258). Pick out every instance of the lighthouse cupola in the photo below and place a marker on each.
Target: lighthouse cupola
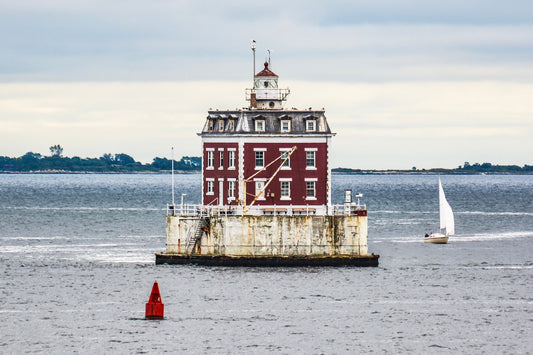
(265, 94)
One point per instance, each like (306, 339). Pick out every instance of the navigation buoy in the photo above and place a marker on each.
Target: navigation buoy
(155, 309)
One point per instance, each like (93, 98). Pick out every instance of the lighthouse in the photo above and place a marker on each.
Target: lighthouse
(266, 190)
(266, 155)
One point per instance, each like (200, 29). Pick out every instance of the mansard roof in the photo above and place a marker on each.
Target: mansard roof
(244, 122)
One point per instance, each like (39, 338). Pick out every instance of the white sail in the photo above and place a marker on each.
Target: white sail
(446, 214)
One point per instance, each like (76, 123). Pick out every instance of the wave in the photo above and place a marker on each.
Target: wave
(492, 236)
(121, 259)
(36, 238)
(479, 237)
(496, 213)
(518, 267)
(402, 211)
(84, 238)
(83, 208)
(484, 213)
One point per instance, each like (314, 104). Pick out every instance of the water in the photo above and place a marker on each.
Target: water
(77, 267)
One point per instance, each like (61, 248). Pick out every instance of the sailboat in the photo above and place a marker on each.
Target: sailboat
(447, 224)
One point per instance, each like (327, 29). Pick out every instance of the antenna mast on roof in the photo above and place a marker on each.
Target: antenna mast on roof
(253, 50)
(270, 66)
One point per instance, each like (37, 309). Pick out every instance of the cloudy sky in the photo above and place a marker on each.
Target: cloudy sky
(404, 83)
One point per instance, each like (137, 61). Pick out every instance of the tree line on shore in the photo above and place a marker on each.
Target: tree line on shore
(466, 168)
(35, 162)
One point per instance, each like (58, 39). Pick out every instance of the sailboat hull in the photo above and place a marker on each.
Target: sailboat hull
(437, 239)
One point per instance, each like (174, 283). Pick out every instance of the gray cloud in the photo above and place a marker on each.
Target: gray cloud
(201, 40)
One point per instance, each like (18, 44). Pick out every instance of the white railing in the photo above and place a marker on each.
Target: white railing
(285, 210)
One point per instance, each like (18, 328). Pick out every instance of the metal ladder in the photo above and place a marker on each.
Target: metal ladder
(196, 234)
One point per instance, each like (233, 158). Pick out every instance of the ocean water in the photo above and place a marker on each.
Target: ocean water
(77, 267)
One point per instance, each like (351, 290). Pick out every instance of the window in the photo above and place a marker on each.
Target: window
(231, 189)
(210, 159)
(231, 126)
(285, 190)
(310, 159)
(231, 154)
(285, 126)
(260, 125)
(221, 125)
(259, 185)
(310, 125)
(259, 159)
(310, 189)
(210, 187)
(210, 125)
(221, 159)
(285, 155)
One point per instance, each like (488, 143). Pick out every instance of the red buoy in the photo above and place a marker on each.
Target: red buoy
(155, 309)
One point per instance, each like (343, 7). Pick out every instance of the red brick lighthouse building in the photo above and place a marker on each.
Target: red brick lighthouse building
(266, 191)
(267, 156)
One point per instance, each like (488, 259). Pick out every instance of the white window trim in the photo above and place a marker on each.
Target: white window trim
(232, 192)
(310, 198)
(285, 198)
(220, 159)
(208, 182)
(259, 167)
(260, 149)
(284, 150)
(288, 124)
(311, 179)
(256, 124)
(230, 151)
(306, 166)
(307, 125)
(210, 163)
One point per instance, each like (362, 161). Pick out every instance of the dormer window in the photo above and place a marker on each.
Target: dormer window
(260, 125)
(221, 125)
(210, 125)
(310, 126)
(231, 126)
(285, 126)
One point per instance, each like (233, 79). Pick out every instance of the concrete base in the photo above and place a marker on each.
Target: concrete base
(268, 261)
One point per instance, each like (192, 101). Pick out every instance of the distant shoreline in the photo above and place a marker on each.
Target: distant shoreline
(35, 163)
(334, 172)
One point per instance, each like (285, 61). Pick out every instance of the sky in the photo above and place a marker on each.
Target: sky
(405, 83)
